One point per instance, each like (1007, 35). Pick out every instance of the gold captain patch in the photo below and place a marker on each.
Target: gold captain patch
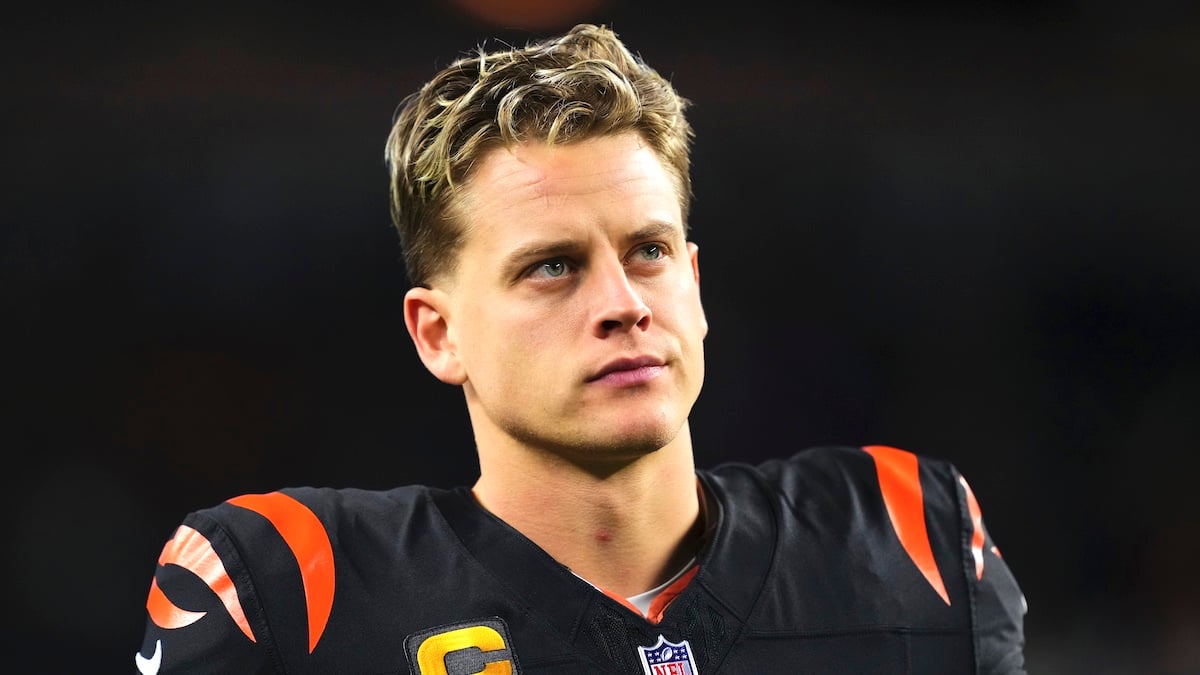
(480, 646)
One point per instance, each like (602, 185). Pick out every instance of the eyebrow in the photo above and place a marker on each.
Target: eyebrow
(655, 229)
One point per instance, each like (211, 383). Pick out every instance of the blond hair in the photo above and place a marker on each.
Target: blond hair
(582, 84)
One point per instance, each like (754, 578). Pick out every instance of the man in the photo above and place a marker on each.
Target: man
(541, 196)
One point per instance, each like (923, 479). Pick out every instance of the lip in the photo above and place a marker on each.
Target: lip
(629, 371)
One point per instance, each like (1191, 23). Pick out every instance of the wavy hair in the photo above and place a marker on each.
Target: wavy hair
(580, 85)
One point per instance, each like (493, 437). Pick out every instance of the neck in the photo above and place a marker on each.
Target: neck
(626, 527)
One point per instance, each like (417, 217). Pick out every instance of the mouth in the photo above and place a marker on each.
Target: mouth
(629, 370)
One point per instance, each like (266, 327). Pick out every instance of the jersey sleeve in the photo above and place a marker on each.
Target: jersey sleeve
(999, 603)
(953, 535)
(203, 614)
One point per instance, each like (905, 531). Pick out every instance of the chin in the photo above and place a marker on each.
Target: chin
(637, 437)
(615, 441)
(621, 435)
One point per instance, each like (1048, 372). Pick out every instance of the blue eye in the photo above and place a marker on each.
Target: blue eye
(552, 268)
(651, 252)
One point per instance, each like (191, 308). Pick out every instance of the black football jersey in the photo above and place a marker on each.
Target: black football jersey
(835, 560)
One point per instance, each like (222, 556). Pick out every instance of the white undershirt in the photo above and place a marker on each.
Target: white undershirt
(642, 600)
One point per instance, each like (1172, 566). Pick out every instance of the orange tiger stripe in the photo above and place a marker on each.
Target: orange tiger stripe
(900, 484)
(192, 551)
(165, 613)
(309, 543)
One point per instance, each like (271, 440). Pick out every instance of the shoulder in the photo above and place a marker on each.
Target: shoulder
(308, 522)
(262, 569)
(296, 507)
(324, 503)
(898, 533)
(846, 460)
(887, 500)
(842, 470)
(293, 537)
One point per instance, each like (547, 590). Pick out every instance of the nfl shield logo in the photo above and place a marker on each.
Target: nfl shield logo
(668, 658)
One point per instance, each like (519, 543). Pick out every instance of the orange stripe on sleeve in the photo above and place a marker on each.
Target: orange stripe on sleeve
(165, 613)
(899, 481)
(309, 543)
(192, 551)
(977, 528)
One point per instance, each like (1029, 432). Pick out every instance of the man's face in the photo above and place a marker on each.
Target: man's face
(574, 315)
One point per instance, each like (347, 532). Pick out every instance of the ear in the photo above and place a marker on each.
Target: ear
(694, 255)
(425, 315)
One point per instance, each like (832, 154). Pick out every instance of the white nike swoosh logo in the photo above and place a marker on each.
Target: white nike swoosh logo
(149, 666)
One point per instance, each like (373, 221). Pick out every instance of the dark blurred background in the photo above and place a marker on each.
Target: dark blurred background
(963, 228)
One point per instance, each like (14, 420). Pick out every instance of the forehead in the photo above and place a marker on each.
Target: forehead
(534, 170)
(534, 187)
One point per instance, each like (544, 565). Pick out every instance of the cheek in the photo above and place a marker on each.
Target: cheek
(511, 346)
(541, 347)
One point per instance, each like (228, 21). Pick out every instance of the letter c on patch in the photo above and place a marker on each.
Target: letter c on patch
(483, 642)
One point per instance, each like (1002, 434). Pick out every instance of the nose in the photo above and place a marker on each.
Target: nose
(619, 305)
